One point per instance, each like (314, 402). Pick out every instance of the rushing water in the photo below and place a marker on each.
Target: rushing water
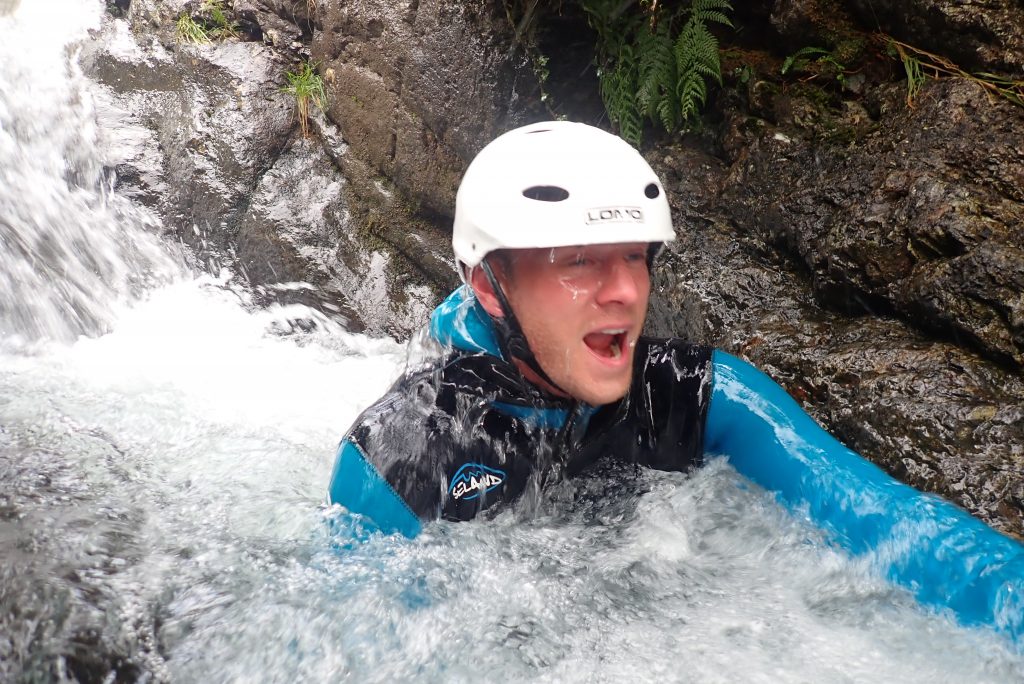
(165, 446)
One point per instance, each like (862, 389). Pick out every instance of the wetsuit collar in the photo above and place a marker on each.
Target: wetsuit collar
(459, 321)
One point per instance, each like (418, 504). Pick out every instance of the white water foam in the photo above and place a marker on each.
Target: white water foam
(68, 248)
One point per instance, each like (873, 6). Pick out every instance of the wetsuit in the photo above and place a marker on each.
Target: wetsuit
(468, 432)
(465, 432)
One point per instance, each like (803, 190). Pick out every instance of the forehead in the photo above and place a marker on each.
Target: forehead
(553, 254)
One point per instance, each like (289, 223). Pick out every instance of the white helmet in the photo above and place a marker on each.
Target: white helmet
(556, 184)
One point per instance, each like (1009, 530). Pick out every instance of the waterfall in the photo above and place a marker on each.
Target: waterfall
(70, 249)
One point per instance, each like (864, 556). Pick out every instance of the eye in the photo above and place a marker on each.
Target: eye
(578, 260)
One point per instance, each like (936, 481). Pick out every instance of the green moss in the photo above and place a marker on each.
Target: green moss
(816, 95)
(392, 226)
(838, 134)
(851, 50)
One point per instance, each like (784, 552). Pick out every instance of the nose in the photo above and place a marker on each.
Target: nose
(622, 283)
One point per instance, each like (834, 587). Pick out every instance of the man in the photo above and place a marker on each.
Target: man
(543, 373)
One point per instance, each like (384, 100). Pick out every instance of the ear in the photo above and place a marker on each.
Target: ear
(484, 292)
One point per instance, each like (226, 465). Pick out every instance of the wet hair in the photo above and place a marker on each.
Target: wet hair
(501, 261)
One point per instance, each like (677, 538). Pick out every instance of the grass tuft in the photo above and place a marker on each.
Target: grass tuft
(918, 64)
(190, 31)
(213, 25)
(306, 86)
(219, 26)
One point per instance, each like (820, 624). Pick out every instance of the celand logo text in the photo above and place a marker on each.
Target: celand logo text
(474, 479)
(599, 215)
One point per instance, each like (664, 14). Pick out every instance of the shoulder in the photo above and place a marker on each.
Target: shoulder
(437, 425)
(408, 405)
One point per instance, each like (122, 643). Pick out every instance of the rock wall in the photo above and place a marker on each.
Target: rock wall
(919, 215)
(417, 86)
(210, 142)
(934, 414)
(873, 265)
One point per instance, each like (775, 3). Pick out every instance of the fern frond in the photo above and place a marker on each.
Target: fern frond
(714, 17)
(715, 11)
(697, 59)
(657, 74)
(619, 91)
(646, 71)
(668, 112)
(706, 5)
(628, 115)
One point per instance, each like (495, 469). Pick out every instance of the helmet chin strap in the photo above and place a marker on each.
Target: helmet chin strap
(510, 334)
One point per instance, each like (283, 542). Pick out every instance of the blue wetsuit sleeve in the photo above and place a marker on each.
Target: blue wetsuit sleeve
(942, 555)
(358, 486)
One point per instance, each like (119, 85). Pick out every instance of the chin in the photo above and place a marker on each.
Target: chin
(607, 393)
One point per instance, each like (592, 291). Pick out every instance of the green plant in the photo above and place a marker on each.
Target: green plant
(915, 76)
(654, 62)
(219, 26)
(306, 86)
(916, 61)
(523, 17)
(823, 60)
(799, 59)
(213, 25)
(190, 31)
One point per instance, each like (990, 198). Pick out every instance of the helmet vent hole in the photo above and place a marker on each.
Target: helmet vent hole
(546, 193)
(652, 191)
(539, 130)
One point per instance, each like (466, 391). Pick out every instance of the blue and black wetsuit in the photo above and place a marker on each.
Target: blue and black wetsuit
(467, 432)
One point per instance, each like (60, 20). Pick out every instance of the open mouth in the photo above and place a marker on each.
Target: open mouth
(607, 343)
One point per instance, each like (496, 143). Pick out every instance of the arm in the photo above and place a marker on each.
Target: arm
(942, 555)
(356, 485)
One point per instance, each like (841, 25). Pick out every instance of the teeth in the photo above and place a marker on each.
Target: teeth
(612, 331)
(616, 351)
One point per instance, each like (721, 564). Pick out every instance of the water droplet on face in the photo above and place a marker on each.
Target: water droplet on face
(572, 287)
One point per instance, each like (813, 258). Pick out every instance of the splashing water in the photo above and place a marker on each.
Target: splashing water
(161, 482)
(69, 249)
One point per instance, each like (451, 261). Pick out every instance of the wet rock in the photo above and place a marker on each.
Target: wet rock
(417, 87)
(983, 36)
(298, 242)
(285, 24)
(816, 24)
(210, 120)
(978, 36)
(918, 217)
(208, 140)
(289, 231)
(929, 412)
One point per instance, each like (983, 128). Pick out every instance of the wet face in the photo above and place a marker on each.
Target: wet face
(582, 310)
